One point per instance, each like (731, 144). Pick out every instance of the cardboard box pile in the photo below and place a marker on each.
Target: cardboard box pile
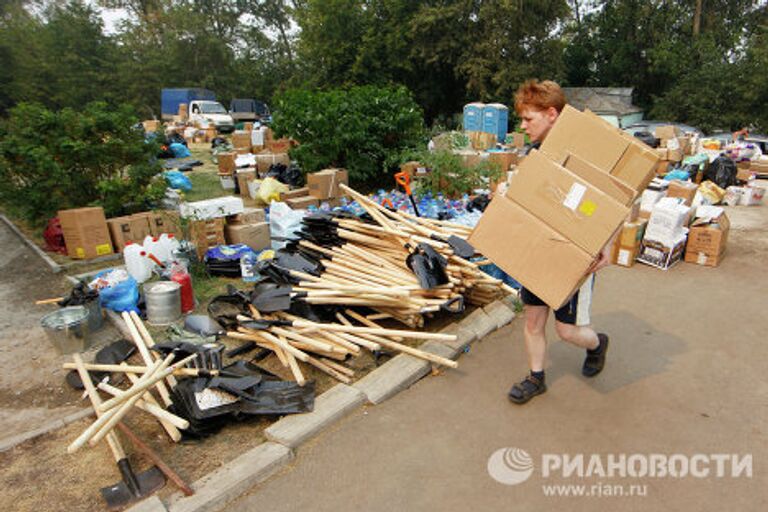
(324, 185)
(130, 228)
(206, 234)
(665, 234)
(553, 221)
(86, 234)
(627, 245)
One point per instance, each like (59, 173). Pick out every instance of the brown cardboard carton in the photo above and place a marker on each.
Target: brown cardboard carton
(634, 211)
(675, 155)
(469, 158)
(744, 174)
(608, 184)
(243, 177)
(131, 228)
(567, 203)
(662, 153)
(248, 127)
(663, 168)
(667, 132)
(165, 221)
(414, 169)
(255, 236)
(266, 159)
(292, 194)
(540, 258)
(325, 184)
(518, 140)
(152, 126)
(632, 233)
(683, 189)
(505, 159)
(278, 145)
(302, 203)
(206, 234)
(241, 139)
(481, 141)
(227, 163)
(759, 166)
(707, 242)
(86, 234)
(249, 216)
(606, 147)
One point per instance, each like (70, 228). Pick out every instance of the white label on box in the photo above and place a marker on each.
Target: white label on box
(702, 259)
(623, 257)
(574, 196)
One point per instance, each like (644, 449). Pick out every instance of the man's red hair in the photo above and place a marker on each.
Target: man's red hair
(539, 96)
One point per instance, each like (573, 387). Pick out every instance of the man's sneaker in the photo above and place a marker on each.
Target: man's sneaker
(595, 360)
(526, 389)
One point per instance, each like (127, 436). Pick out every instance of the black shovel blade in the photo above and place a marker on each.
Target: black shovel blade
(428, 266)
(278, 299)
(133, 488)
(262, 325)
(461, 247)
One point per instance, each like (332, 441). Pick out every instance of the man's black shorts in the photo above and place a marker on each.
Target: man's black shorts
(573, 312)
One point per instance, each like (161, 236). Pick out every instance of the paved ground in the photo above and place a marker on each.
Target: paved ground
(685, 375)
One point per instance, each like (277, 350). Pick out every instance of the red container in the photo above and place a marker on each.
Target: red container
(180, 275)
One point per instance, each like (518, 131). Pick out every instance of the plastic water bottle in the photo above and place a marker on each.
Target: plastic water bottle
(135, 262)
(153, 246)
(170, 246)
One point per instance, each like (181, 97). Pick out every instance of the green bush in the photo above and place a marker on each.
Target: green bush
(68, 159)
(363, 129)
(449, 175)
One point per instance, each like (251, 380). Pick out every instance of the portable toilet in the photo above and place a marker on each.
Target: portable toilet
(473, 117)
(496, 120)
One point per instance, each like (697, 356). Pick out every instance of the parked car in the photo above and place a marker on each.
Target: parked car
(650, 126)
(214, 113)
(248, 109)
(201, 105)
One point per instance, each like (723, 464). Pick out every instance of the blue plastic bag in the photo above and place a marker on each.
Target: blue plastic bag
(179, 150)
(228, 252)
(177, 180)
(123, 296)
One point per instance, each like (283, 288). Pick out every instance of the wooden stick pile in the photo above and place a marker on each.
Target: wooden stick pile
(330, 343)
(370, 268)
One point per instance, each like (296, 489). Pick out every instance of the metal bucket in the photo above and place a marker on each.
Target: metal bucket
(95, 315)
(163, 300)
(67, 329)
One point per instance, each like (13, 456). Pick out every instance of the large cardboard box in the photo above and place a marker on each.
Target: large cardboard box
(249, 216)
(241, 139)
(566, 202)
(244, 176)
(86, 234)
(627, 244)
(227, 162)
(206, 234)
(265, 160)
(255, 236)
(707, 239)
(537, 256)
(130, 228)
(325, 184)
(682, 189)
(165, 221)
(608, 148)
(608, 184)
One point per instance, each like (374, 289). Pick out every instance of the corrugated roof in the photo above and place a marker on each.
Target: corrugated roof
(602, 100)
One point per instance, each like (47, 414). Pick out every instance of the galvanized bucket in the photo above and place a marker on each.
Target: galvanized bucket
(67, 329)
(163, 300)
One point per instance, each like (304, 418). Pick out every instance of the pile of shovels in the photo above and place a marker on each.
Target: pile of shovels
(195, 400)
(402, 266)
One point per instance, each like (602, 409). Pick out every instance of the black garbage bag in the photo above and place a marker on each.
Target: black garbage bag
(722, 172)
(648, 138)
(479, 202)
(218, 141)
(290, 175)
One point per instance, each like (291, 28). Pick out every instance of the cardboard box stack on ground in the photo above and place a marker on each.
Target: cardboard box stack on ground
(552, 223)
(665, 234)
(241, 141)
(656, 191)
(627, 244)
(255, 235)
(248, 216)
(707, 237)
(206, 234)
(130, 228)
(325, 184)
(86, 234)
(749, 195)
(685, 190)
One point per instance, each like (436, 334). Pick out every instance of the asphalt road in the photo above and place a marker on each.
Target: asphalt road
(685, 379)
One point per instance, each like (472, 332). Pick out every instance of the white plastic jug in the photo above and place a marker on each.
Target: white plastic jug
(136, 262)
(170, 246)
(153, 246)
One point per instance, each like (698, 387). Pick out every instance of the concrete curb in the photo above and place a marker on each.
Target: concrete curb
(394, 376)
(331, 406)
(151, 504)
(479, 323)
(215, 490)
(499, 313)
(10, 442)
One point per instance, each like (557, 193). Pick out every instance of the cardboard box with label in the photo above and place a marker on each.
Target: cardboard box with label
(325, 184)
(249, 216)
(608, 184)
(661, 255)
(627, 243)
(255, 236)
(536, 255)
(566, 202)
(130, 228)
(593, 139)
(707, 239)
(86, 234)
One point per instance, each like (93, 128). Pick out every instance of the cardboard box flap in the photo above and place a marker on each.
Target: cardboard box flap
(607, 183)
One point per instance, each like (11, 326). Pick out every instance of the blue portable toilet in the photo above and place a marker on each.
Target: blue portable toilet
(473, 117)
(496, 120)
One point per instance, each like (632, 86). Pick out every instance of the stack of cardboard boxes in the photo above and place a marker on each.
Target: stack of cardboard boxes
(564, 204)
(707, 237)
(673, 147)
(250, 228)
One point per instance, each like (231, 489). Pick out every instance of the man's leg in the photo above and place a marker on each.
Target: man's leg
(581, 336)
(536, 348)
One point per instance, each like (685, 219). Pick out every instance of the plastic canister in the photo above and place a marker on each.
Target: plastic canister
(136, 262)
(170, 245)
(163, 300)
(180, 275)
(153, 246)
